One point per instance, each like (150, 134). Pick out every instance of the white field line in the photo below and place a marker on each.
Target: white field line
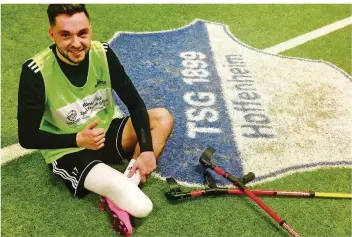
(15, 151)
(309, 36)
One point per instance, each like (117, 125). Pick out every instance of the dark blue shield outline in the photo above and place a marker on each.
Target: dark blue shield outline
(177, 70)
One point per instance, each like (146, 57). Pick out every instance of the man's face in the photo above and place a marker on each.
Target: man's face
(72, 35)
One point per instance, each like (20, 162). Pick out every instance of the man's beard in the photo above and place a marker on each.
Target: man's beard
(66, 56)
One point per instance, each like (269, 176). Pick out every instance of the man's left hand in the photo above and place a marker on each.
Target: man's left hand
(145, 163)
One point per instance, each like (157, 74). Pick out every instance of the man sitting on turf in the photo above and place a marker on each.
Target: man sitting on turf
(66, 109)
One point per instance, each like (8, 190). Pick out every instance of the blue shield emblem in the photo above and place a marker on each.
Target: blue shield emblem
(264, 113)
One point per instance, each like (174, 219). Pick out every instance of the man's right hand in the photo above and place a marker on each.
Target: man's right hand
(90, 137)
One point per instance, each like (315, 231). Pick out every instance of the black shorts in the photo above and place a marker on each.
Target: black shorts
(73, 168)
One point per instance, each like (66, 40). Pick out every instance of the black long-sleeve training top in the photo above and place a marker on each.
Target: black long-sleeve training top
(31, 103)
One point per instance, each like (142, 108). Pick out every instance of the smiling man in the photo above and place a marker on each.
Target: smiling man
(72, 36)
(66, 109)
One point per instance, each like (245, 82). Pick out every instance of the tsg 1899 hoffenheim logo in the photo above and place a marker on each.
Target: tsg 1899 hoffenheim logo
(264, 113)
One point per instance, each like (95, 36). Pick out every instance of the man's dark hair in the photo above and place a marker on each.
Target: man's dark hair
(68, 9)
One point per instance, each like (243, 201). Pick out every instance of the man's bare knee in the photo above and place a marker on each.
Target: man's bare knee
(164, 118)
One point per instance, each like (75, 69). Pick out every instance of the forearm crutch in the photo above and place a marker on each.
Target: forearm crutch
(205, 160)
(175, 192)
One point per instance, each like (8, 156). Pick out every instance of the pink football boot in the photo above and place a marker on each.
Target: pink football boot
(121, 222)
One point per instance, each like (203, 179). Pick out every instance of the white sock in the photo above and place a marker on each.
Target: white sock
(106, 181)
(136, 177)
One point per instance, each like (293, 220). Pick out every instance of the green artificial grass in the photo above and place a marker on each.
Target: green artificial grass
(35, 203)
(331, 48)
